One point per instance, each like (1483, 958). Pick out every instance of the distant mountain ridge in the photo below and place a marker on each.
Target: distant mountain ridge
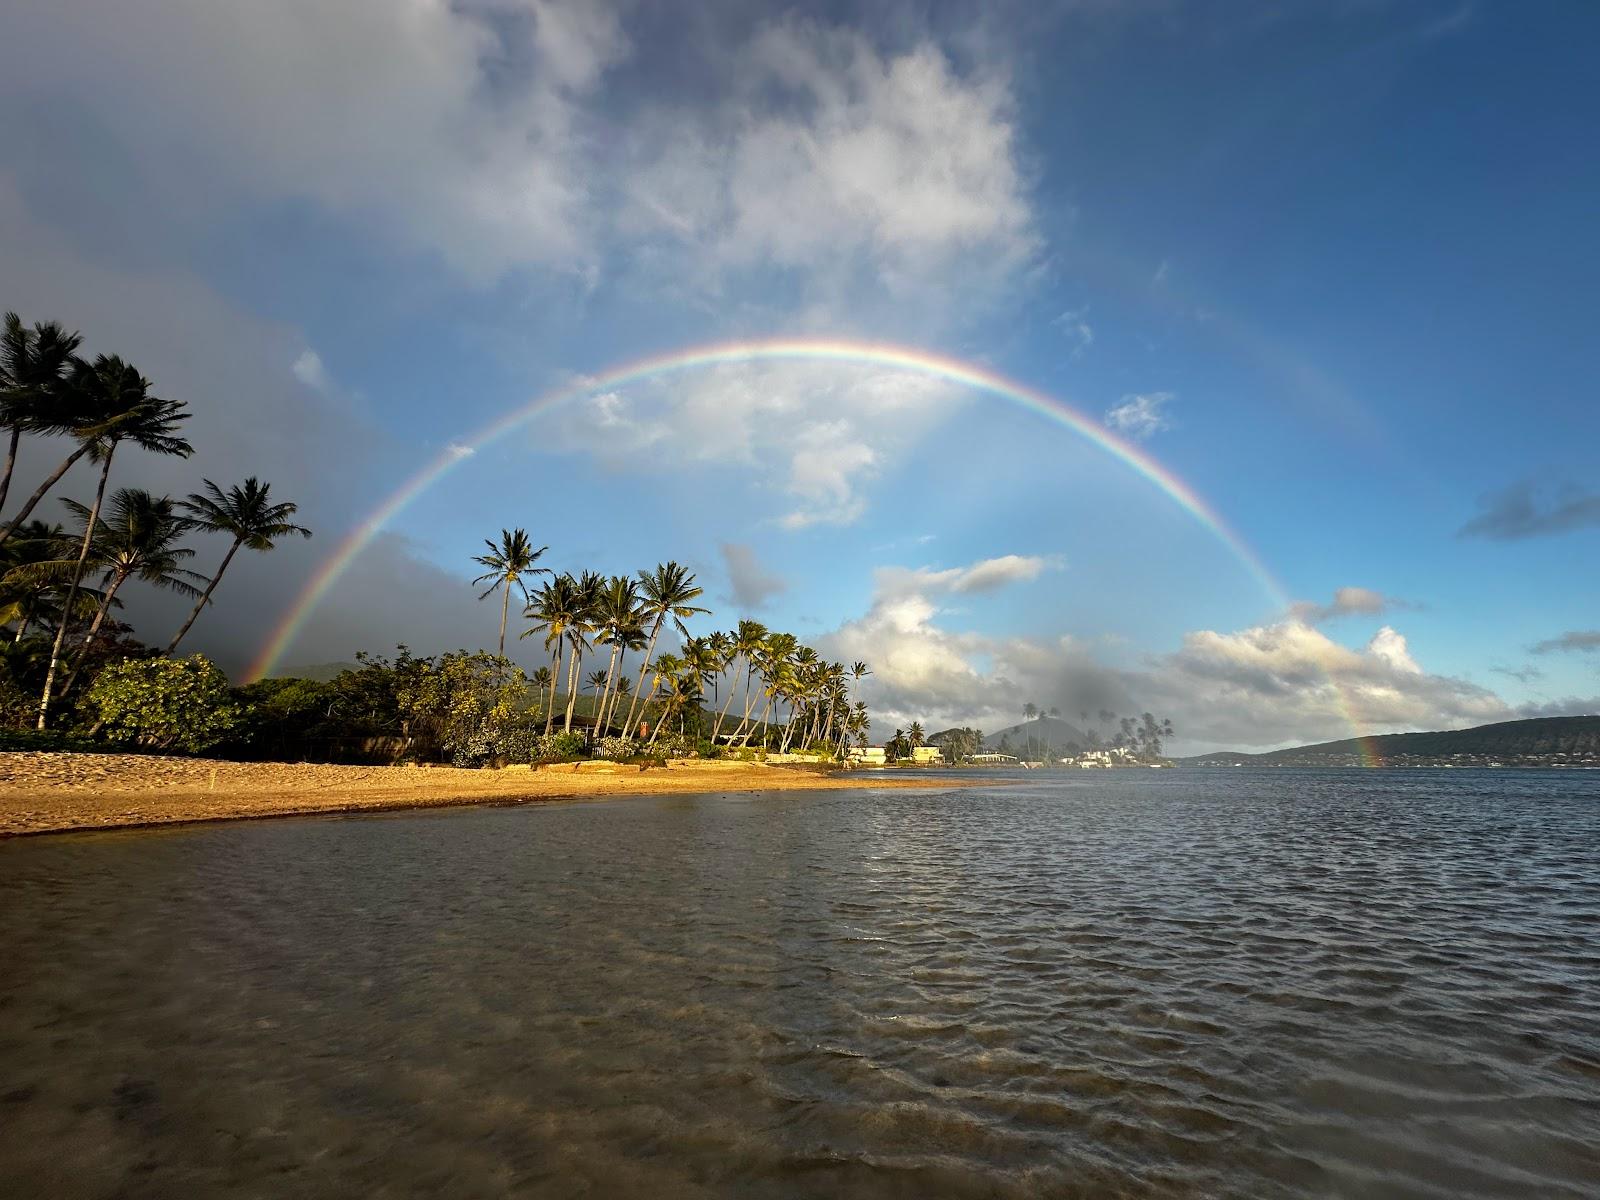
(317, 672)
(1050, 731)
(1537, 740)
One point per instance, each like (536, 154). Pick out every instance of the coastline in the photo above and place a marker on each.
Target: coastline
(44, 792)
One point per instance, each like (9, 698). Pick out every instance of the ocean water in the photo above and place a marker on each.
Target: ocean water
(1182, 983)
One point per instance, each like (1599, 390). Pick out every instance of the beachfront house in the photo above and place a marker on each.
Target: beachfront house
(866, 756)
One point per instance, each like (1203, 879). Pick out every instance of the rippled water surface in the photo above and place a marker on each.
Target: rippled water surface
(1136, 983)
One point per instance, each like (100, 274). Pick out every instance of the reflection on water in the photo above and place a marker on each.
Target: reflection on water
(1182, 983)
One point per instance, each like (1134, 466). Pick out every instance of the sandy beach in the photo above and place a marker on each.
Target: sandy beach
(58, 792)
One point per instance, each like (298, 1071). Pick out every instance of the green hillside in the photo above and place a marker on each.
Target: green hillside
(1544, 741)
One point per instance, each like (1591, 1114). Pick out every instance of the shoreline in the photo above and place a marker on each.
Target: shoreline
(49, 792)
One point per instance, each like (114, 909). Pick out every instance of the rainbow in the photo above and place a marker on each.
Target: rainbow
(863, 353)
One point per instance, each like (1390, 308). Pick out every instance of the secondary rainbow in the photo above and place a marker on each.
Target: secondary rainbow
(879, 354)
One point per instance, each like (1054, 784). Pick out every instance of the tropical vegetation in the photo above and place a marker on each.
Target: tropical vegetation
(68, 663)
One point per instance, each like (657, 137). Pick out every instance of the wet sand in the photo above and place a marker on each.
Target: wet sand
(57, 792)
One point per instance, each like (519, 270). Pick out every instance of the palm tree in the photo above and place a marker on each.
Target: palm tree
(585, 614)
(683, 690)
(29, 593)
(667, 592)
(541, 679)
(772, 660)
(701, 656)
(748, 640)
(1029, 711)
(508, 562)
(664, 672)
(140, 539)
(246, 513)
(551, 610)
(123, 410)
(621, 629)
(914, 734)
(597, 685)
(33, 366)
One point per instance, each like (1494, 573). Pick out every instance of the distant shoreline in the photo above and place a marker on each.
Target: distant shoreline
(47, 792)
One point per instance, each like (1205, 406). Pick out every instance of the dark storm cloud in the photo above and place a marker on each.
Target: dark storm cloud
(750, 585)
(1521, 511)
(1574, 641)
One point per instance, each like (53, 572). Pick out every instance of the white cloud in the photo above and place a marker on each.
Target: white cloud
(458, 451)
(819, 432)
(1141, 416)
(1075, 326)
(833, 157)
(986, 575)
(497, 135)
(308, 369)
(1257, 688)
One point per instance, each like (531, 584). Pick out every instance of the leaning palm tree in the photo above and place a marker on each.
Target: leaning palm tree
(123, 410)
(508, 562)
(665, 672)
(667, 592)
(33, 367)
(138, 539)
(246, 513)
(748, 640)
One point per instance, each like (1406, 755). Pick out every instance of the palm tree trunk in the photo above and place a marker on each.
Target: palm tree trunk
(11, 461)
(204, 596)
(749, 676)
(72, 592)
(505, 609)
(555, 675)
(117, 581)
(655, 731)
(716, 732)
(572, 686)
(39, 492)
(638, 687)
(605, 692)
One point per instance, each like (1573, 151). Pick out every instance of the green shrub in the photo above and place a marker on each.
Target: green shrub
(165, 703)
(557, 747)
(617, 749)
(672, 745)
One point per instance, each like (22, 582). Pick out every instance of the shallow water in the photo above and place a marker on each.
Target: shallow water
(1187, 983)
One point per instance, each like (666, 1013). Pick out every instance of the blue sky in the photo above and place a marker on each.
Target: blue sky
(1331, 264)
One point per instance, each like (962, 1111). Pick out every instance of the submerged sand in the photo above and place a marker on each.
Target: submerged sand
(42, 792)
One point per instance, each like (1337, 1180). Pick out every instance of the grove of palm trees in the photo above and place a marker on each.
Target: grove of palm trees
(787, 697)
